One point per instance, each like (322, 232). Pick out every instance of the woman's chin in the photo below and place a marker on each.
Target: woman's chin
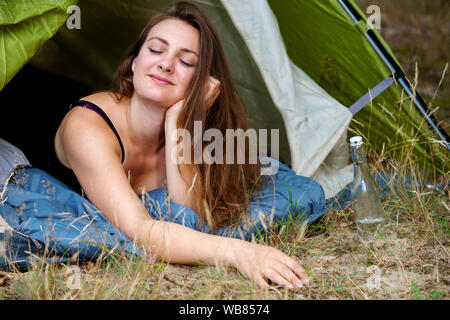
(160, 100)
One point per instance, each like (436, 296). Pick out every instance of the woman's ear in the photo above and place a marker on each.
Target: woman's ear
(133, 65)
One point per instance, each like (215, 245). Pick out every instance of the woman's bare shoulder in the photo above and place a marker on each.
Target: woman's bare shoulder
(103, 99)
(84, 129)
(81, 118)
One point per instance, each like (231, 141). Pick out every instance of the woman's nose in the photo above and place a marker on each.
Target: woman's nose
(165, 66)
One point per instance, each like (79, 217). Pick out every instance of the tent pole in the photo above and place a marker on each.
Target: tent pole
(419, 103)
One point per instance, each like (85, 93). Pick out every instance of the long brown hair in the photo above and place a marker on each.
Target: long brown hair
(221, 191)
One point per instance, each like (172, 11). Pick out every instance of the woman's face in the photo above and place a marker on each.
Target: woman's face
(166, 62)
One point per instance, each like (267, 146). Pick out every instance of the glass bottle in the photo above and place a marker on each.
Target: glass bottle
(5, 244)
(369, 213)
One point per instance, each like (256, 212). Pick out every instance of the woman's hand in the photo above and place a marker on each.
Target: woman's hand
(172, 115)
(212, 92)
(259, 263)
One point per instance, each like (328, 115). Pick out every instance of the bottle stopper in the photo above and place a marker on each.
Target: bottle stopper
(356, 141)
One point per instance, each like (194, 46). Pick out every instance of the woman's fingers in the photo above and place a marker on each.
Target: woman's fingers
(276, 277)
(213, 90)
(289, 275)
(297, 269)
(174, 110)
(264, 262)
(259, 279)
(286, 271)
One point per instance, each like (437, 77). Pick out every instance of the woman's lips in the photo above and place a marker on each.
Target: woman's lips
(160, 80)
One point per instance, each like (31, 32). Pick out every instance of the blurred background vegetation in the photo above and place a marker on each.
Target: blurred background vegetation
(418, 32)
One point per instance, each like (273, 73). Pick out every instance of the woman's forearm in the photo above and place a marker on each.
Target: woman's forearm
(177, 187)
(170, 242)
(174, 243)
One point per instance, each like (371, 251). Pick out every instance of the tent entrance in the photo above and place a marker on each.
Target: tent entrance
(33, 105)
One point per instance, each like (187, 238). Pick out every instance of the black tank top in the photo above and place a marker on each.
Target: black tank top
(66, 175)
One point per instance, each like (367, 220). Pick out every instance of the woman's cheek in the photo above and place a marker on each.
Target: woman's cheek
(186, 80)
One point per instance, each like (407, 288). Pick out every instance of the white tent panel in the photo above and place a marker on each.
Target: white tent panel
(316, 124)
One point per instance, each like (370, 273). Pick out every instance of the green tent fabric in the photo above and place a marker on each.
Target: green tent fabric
(338, 57)
(25, 25)
(297, 64)
(333, 51)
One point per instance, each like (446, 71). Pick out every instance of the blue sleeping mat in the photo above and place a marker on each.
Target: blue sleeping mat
(49, 217)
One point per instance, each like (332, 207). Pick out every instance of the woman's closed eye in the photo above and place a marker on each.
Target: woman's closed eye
(154, 51)
(184, 62)
(187, 64)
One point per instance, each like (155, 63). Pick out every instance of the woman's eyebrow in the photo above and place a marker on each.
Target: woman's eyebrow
(167, 43)
(160, 39)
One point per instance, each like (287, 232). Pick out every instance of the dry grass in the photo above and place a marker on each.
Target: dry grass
(411, 262)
